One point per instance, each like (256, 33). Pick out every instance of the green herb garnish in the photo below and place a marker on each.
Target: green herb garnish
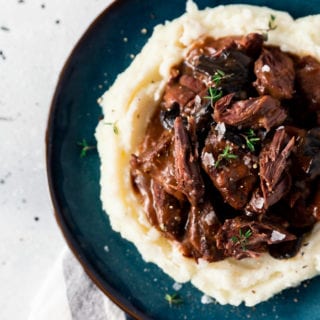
(214, 95)
(219, 75)
(173, 299)
(251, 139)
(225, 155)
(114, 127)
(242, 239)
(85, 147)
(271, 26)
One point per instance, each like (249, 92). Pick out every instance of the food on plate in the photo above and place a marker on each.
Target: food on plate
(213, 169)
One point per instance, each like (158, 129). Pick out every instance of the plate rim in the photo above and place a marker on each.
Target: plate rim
(64, 227)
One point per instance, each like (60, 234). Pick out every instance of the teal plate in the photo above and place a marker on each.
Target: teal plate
(113, 263)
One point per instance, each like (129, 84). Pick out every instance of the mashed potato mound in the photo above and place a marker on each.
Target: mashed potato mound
(129, 104)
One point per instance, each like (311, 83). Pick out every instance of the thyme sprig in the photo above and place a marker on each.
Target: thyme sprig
(114, 127)
(85, 147)
(214, 95)
(220, 75)
(242, 238)
(271, 26)
(225, 155)
(251, 139)
(173, 299)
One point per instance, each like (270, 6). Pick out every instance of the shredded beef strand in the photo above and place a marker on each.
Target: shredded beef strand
(187, 170)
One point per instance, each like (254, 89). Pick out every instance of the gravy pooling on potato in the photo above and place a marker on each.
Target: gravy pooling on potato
(229, 166)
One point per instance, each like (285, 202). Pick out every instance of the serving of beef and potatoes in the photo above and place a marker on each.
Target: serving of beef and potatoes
(214, 172)
(229, 166)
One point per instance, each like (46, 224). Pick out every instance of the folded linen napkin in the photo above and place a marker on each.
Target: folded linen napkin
(69, 294)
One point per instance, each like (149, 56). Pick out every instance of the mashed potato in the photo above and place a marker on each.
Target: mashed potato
(129, 104)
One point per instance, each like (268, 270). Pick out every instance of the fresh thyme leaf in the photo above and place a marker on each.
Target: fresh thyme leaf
(248, 234)
(251, 139)
(271, 24)
(242, 239)
(173, 299)
(225, 155)
(220, 75)
(234, 239)
(85, 147)
(114, 127)
(214, 95)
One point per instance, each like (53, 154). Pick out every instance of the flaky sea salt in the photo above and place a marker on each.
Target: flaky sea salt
(205, 299)
(208, 159)
(277, 236)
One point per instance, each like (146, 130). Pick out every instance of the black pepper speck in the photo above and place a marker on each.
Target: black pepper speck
(43, 6)
(4, 28)
(2, 55)
(36, 218)
(57, 21)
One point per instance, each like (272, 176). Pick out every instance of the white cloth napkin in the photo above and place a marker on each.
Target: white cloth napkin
(69, 294)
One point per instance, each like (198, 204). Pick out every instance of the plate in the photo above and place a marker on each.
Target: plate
(113, 263)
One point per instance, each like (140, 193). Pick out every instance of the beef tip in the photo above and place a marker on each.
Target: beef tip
(274, 164)
(201, 228)
(207, 46)
(308, 79)
(180, 90)
(311, 151)
(234, 178)
(192, 83)
(262, 112)
(275, 74)
(176, 94)
(235, 66)
(314, 207)
(243, 238)
(156, 161)
(171, 213)
(187, 169)
(251, 44)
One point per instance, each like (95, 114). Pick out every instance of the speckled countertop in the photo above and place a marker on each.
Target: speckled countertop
(36, 37)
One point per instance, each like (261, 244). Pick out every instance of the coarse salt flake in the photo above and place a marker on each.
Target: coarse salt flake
(205, 299)
(221, 129)
(208, 159)
(277, 236)
(265, 68)
(177, 286)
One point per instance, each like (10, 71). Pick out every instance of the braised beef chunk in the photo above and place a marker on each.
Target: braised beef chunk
(230, 162)
(171, 214)
(243, 238)
(311, 151)
(231, 174)
(275, 74)
(308, 78)
(187, 170)
(234, 67)
(262, 112)
(251, 44)
(274, 165)
(200, 233)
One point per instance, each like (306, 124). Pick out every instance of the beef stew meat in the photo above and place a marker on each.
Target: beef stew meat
(227, 168)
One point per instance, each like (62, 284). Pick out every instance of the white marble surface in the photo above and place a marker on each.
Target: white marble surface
(36, 36)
